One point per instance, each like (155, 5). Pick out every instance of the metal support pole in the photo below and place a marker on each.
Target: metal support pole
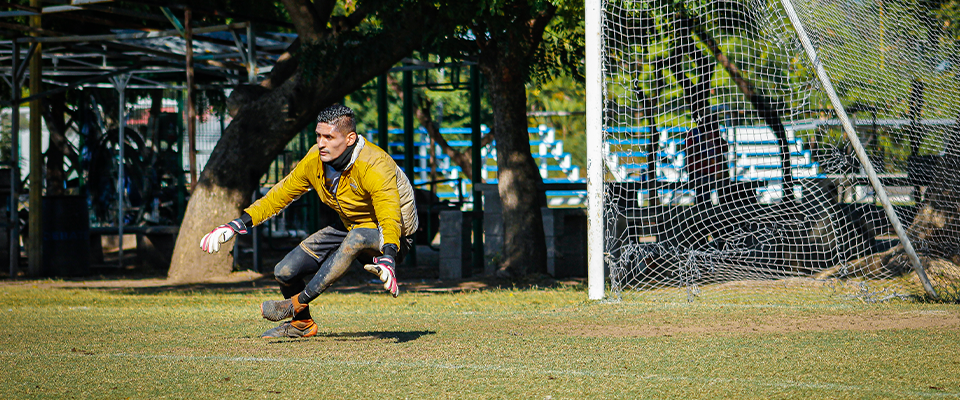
(181, 184)
(408, 124)
(191, 113)
(35, 247)
(476, 169)
(120, 83)
(251, 55)
(594, 84)
(256, 238)
(855, 142)
(432, 150)
(383, 111)
(408, 143)
(15, 162)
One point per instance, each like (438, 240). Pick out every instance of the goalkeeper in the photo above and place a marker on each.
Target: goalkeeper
(374, 200)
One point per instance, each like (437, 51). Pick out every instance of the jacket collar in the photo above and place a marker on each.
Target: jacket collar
(353, 157)
(356, 152)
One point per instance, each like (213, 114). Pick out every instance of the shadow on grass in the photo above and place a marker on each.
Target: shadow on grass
(155, 286)
(396, 336)
(355, 282)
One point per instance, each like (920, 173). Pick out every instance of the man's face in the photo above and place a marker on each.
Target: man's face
(332, 143)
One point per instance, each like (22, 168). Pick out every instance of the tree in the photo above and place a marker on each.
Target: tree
(508, 38)
(340, 47)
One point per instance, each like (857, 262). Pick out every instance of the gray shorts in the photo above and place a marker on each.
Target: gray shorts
(326, 255)
(320, 245)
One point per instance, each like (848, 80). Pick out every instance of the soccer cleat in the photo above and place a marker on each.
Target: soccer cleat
(293, 329)
(276, 310)
(387, 276)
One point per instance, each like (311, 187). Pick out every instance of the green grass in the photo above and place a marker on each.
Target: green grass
(532, 344)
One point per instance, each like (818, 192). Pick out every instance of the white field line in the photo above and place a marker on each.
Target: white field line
(502, 369)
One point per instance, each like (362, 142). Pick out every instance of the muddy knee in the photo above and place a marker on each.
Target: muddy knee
(294, 266)
(360, 240)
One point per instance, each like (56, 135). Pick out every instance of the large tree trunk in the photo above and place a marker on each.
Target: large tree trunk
(768, 110)
(704, 158)
(933, 232)
(262, 128)
(934, 228)
(505, 59)
(524, 246)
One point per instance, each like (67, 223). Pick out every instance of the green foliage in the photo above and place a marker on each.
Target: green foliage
(561, 52)
(502, 24)
(947, 12)
(356, 46)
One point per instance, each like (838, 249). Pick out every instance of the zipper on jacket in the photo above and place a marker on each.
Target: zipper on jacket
(336, 191)
(336, 194)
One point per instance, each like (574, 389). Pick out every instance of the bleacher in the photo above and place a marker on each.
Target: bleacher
(555, 165)
(754, 155)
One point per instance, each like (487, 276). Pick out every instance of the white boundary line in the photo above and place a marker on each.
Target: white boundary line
(392, 365)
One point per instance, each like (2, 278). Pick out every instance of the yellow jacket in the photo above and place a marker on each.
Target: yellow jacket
(373, 192)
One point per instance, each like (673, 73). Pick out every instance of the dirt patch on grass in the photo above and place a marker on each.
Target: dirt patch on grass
(783, 324)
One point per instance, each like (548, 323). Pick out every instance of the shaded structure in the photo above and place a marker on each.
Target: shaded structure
(178, 48)
(108, 54)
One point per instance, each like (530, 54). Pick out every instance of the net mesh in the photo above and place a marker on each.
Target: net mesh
(727, 173)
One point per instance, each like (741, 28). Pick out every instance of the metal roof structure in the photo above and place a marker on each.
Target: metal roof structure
(145, 44)
(154, 59)
(154, 55)
(122, 45)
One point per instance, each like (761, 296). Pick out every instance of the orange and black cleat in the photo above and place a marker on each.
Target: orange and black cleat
(293, 329)
(277, 310)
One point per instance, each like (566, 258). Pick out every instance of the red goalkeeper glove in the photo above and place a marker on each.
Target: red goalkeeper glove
(384, 267)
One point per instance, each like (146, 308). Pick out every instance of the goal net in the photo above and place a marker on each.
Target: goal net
(726, 167)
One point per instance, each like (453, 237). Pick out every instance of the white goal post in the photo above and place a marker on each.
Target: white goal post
(595, 275)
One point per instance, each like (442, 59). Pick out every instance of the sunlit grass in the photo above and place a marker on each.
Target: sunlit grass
(535, 343)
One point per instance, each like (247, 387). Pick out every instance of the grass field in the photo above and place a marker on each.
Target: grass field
(186, 342)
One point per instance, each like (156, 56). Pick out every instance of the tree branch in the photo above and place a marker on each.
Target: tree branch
(285, 67)
(305, 19)
(479, 32)
(324, 8)
(761, 103)
(341, 24)
(540, 21)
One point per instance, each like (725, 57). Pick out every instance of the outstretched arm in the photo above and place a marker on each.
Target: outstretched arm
(288, 190)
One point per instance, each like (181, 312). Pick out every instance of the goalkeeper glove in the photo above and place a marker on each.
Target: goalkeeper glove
(384, 267)
(211, 241)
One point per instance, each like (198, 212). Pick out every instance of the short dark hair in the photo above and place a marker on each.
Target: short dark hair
(340, 116)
